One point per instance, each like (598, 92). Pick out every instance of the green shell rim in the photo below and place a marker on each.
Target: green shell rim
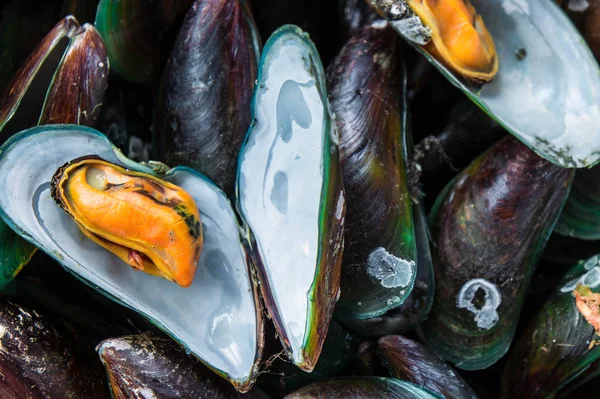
(304, 37)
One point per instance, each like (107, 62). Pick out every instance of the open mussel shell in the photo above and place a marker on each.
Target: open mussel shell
(40, 360)
(203, 108)
(290, 193)
(488, 228)
(216, 318)
(556, 346)
(63, 81)
(581, 216)
(139, 34)
(362, 387)
(410, 361)
(150, 366)
(379, 262)
(536, 44)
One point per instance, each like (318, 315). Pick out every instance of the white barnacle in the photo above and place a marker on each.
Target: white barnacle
(571, 284)
(389, 269)
(591, 262)
(590, 279)
(486, 316)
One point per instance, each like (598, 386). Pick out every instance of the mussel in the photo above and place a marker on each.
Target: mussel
(451, 31)
(151, 224)
(151, 366)
(581, 215)
(558, 345)
(58, 83)
(489, 226)
(535, 43)
(289, 192)
(202, 110)
(41, 359)
(410, 361)
(217, 318)
(362, 387)
(380, 253)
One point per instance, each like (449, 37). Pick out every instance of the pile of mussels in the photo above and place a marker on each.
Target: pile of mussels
(224, 217)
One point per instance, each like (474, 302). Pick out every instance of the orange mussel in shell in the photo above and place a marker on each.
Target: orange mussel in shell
(151, 224)
(459, 38)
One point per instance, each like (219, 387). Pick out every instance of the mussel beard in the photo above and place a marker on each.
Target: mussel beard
(152, 225)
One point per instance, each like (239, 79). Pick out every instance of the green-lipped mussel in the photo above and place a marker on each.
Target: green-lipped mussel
(451, 31)
(203, 108)
(41, 359)
(410, 361)
(59, 83)
(535, 44)
(215, 318)
(581, 216)
(151, 366)
(152, 225)
(218, 317)
(380, 265)
(362, 387)
(380, 252)
(488, 228)
(337, 355)
(557, 346)
(290, 193)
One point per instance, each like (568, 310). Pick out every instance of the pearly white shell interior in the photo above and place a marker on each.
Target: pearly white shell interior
(280, 179)
(215, 318)
(550, 99)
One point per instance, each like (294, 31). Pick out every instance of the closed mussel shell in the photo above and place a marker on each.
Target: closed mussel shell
(557, 344)
(63, 81)
(203, 107)
(38, 360)
(488, 228)
(362, 387)
(408, 360)
(380, 253)
(152, 366)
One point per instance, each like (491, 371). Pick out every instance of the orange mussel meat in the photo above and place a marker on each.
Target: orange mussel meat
(459, 38)
(151, 224)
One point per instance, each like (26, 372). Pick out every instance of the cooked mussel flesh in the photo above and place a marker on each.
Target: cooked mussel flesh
(152, 225)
